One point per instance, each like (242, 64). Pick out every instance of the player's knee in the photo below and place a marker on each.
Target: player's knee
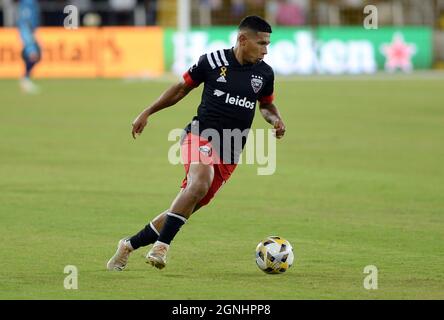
(198, 189)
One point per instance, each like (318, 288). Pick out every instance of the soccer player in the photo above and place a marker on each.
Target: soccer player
(28, 21)
(234, 79)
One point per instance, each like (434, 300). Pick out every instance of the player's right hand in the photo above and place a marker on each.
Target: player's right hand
(138, 125)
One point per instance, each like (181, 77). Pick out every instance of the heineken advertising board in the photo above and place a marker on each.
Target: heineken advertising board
(325, 50)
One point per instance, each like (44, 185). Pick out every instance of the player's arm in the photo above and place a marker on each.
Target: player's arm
(167, 99)
(191, 79)
(268, 110)
(271, 114)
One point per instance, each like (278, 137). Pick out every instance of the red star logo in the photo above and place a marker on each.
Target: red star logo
(398, 54)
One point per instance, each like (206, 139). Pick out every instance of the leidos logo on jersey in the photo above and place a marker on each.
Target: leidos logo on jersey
(235, 101)
(240, 102)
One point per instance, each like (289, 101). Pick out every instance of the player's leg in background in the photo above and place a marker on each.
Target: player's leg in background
(30, 56)
(30, 63)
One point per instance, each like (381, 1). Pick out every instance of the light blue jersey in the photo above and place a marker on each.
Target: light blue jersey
(28, 21)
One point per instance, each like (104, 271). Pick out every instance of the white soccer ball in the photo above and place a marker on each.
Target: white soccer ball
(274, 255)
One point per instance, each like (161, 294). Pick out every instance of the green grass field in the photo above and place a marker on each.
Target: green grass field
(359, 181)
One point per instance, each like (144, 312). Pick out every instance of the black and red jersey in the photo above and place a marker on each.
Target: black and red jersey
(229, 98)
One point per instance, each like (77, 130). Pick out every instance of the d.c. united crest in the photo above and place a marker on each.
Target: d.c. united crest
(256, 83)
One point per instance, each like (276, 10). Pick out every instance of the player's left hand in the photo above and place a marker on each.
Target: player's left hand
(279, 128)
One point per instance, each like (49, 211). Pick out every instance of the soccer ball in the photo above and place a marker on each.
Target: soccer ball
(274, 255)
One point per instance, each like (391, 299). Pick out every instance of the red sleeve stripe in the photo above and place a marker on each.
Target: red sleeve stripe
(266, 99)
(188, 80)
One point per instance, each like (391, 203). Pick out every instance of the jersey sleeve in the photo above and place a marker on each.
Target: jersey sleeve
(195, 75)
(267, 94)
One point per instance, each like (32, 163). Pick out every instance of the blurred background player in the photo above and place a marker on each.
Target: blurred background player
(28, 21)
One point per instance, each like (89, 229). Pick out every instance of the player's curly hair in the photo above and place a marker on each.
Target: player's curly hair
(255, 23)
